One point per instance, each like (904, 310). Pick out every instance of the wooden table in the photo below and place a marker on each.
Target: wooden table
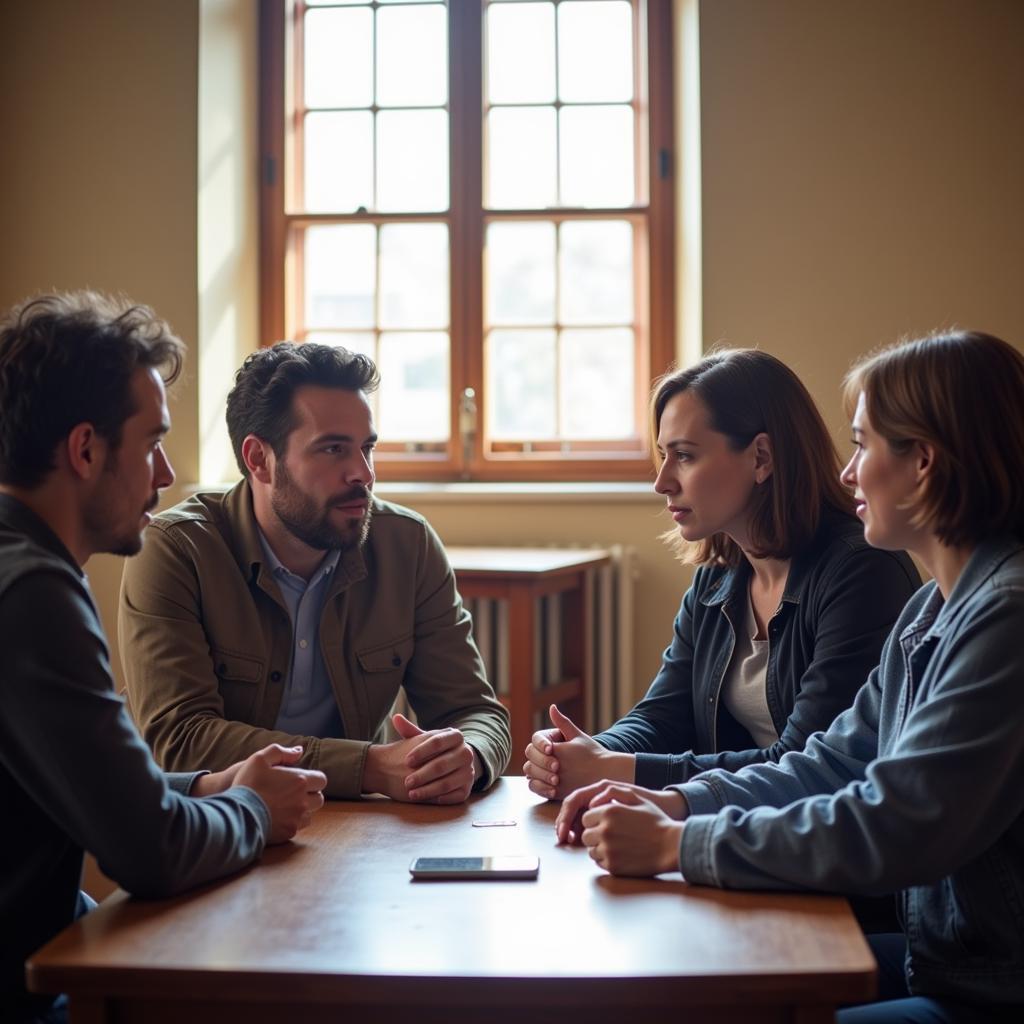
(520, 576)
(331, 928)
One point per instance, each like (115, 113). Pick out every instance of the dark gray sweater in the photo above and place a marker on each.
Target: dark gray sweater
(74, 774)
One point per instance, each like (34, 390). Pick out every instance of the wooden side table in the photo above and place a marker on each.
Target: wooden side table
(520, 576)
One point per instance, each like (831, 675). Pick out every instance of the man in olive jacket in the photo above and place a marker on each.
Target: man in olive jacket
(292, 608)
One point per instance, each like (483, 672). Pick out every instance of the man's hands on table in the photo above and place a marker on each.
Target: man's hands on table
(292, 795)
(433, 766)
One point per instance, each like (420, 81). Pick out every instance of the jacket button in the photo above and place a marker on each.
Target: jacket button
(275, 677)
(396, 661)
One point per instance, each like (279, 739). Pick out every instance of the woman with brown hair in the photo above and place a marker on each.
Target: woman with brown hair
(788, 607)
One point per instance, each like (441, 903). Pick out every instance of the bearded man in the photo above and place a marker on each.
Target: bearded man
(292, 608)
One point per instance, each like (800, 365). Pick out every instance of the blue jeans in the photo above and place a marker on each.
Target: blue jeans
(897, 1006)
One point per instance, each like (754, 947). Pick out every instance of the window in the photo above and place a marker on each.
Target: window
(479, 195)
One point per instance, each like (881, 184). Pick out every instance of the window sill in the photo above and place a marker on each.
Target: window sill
(471, 493)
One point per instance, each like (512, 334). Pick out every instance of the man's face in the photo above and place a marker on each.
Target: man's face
(129, 487)
(321, 485)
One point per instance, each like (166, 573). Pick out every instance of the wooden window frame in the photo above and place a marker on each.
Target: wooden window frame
(654, 263)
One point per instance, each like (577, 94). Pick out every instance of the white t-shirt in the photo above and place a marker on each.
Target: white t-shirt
(743, 689)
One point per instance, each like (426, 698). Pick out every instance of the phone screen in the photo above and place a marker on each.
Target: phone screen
(475, 867)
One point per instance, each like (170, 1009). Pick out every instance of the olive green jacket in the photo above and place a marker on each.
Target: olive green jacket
(206, 642)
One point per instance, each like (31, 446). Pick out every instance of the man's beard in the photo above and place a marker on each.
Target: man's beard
(101, 513)
(312, 524)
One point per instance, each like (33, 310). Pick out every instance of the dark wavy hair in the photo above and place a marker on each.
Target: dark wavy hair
(67, 359)
(962, 393)
(748, 392)
(260, 403)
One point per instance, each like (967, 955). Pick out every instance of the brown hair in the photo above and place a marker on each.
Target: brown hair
(748, 392)
(963, 394)
(67, 359)
(260, 403)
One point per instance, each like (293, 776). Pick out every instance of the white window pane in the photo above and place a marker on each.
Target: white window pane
(412, 160)
(414, 275)
(338, 162)
(521, 273)
(339, 271)
(521, 385)
(338, 60)
(520, 53)
(414, 393)
(597, 156)
(363, 342)
(412, 56)
(521, 169)
(596, 272)
(597, 384)
(595, 52)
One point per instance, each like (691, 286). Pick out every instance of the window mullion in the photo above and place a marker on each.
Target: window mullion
(465, 105)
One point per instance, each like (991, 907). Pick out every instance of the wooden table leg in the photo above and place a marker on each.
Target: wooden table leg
(575, 637)
(520, 671)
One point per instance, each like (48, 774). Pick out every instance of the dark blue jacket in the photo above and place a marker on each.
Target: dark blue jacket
(840, 601)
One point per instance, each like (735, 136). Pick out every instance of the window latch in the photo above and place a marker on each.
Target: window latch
(467, 427)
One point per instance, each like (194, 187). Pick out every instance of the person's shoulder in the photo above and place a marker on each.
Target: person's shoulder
(22, 558)
(397, 519)
(42, 591)
(1001, 568)
(203, 508)
(842, 542)
(1010, 571)
(397, 532)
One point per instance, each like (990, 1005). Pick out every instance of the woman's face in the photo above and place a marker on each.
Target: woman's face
(883, 485)
(706, 482)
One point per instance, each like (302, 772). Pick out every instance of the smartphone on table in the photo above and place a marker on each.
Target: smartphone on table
(474, 867)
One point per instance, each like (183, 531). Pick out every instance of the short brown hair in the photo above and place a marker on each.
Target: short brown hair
(963, 394)
(67, 359)
(748, 392)
(260, 403)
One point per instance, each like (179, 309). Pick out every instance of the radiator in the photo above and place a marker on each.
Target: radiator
(609, 654)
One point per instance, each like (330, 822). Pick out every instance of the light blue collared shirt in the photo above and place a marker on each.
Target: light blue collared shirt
(309, 707)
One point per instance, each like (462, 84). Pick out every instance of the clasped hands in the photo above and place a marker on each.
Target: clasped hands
(627, 829)
(292, 795)
(425, 766)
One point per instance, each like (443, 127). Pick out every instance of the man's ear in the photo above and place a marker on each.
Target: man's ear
(86, 451)
(258, 458)
(764, 464)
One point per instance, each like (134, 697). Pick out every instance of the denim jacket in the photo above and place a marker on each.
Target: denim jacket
(840, 601)
(919, 787)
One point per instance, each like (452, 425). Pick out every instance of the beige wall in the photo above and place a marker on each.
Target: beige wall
(98, 173)
(862, 175)
(861, 168)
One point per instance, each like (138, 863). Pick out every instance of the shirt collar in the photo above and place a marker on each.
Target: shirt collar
(279, 569)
